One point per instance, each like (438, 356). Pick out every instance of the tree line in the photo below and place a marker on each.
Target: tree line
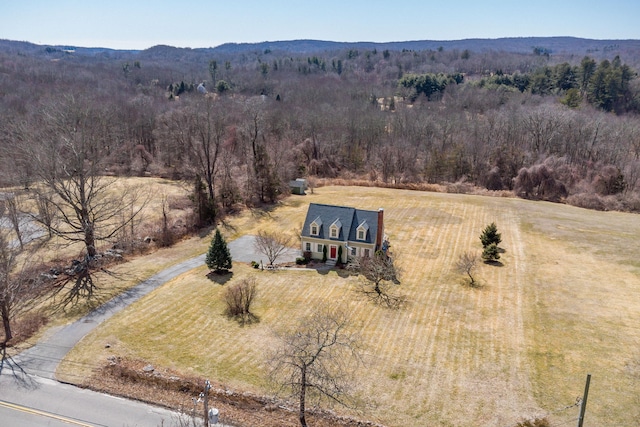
(258, 120)
(606, 86)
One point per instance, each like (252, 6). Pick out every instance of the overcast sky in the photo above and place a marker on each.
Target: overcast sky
(139, 24)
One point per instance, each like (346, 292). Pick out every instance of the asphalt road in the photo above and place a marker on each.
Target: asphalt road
(45, 402)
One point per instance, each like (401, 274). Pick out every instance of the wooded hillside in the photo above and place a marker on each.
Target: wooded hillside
(548, 124)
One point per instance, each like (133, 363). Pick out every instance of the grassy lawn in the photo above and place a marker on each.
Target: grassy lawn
(564, 303)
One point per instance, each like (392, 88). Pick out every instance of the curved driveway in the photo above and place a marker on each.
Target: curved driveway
(37, 366)
(43, 358)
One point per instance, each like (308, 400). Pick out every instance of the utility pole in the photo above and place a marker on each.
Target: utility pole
(205, 397)
(583, 406)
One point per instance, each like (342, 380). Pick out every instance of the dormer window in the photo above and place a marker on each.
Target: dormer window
(361, 231)
(334, 229)
(314, 227)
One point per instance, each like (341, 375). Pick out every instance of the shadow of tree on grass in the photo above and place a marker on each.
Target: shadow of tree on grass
(244, 319)
(494, 263)
(220, 279)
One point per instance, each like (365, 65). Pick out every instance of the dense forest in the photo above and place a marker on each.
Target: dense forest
(546, 126)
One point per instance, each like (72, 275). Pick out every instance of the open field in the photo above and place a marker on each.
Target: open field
(565, 303)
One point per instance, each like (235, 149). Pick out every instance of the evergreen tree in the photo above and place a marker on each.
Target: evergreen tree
(490, 236)
(266, 182)
(585, 72)
(491, 253)
(213, 70)
(218, 257)
(205, 209)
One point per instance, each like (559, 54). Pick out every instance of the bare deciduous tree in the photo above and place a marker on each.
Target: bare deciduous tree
(18, 291)
(272, 244)
(69, 149)
(210, 132)
(46, 213)
(12, 202)
(316, 359)
(200, 128)
(380, 276)
(466, 264)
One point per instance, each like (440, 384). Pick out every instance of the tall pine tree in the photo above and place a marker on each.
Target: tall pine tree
(490, 235)
(218, 257)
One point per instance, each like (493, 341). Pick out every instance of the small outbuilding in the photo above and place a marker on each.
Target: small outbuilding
(298, 186)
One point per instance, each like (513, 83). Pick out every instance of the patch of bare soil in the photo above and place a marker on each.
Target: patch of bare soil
(136, 379)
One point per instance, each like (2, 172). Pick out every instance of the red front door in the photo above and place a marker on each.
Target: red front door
(333, 252)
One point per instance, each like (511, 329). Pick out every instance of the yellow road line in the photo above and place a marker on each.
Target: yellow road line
(43, 414)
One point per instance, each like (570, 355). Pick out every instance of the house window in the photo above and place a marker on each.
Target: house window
(314, 230)
(353, 251)
(360, 234)
(307, 247)
(319, 247)
(366, 252)
(334, 232)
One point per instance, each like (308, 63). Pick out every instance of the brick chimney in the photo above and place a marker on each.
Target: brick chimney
(380, 233)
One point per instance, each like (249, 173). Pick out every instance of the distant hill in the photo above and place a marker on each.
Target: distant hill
(546, 45)
(36, 49)
(563, 45)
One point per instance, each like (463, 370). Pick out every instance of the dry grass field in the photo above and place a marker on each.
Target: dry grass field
(565, 302)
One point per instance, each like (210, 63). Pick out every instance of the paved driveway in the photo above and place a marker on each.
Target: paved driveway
(243, 250)
(42, 359)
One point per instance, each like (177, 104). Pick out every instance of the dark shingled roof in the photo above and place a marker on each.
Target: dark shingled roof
(350, 218)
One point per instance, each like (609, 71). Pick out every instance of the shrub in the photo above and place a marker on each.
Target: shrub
(238, 299)
(539, 182)
(301, 260)
(536, 422)
(587, 201)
